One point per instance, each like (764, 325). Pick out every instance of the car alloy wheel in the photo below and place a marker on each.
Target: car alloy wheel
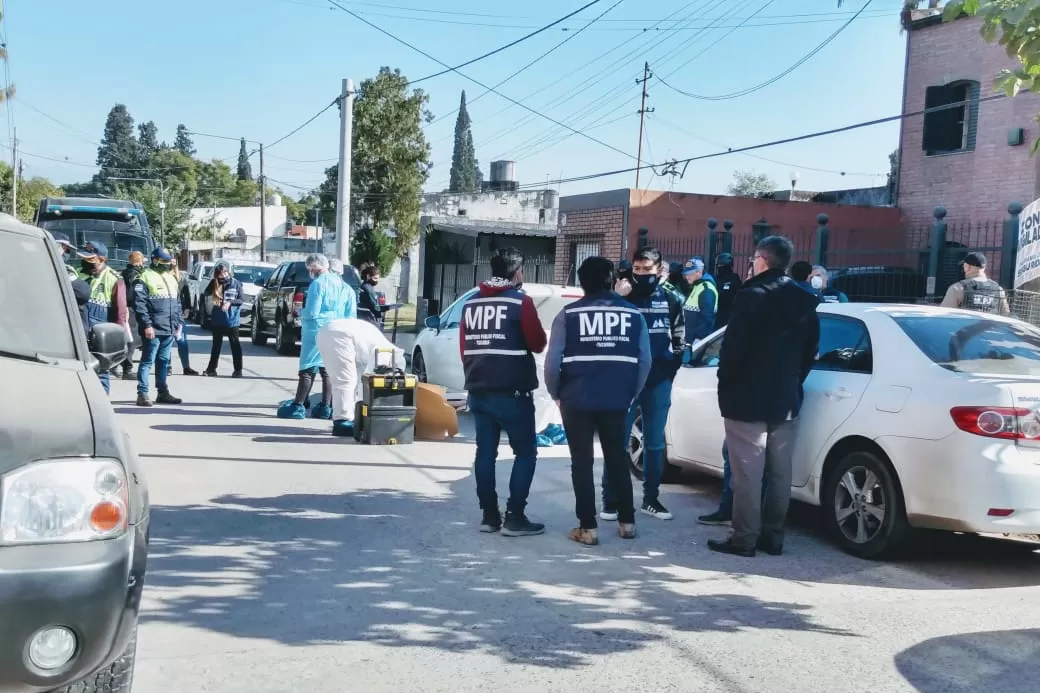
(859, 505)
(635, 447)
(863, 506)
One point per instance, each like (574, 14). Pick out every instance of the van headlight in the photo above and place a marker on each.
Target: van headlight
(67, 500)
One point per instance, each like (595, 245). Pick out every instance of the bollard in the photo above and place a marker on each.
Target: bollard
(937, 242)
(819, 251)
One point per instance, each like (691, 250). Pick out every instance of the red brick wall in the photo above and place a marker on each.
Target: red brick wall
(974, 185)
(602, 226)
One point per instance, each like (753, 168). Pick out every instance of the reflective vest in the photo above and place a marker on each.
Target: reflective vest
(601, 353)
(102, 286)
(698, 324)
(157, 301)
(982, 295)
(495, 356)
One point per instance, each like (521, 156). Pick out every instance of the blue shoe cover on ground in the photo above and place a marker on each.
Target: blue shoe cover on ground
(543, 441)
(321, 411)
(343, 427)
(291, 410)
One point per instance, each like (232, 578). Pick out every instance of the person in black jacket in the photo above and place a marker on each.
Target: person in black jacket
(729, 284)
(368, 297)
(768, 348)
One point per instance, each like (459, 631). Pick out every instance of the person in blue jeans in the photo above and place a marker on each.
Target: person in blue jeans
(158, 310)
(499, 334)
(662, 310)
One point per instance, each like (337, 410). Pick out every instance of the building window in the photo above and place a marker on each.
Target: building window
(951, 129)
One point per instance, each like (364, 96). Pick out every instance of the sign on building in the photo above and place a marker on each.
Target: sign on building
(1027, 261)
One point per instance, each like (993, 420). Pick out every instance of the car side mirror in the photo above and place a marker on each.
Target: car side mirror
(108, 345)
(434, 322)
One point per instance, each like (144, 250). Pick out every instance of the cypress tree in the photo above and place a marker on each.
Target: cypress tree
(464, 170)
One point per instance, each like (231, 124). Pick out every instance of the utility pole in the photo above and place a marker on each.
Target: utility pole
(346, 134)
(263, 209)
(642, 118)
(15, 170)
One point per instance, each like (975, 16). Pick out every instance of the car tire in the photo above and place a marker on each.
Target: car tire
(117, 677)
(863, 506)
(669, 475)
(419, 367)
(282, 344)
(256, 336)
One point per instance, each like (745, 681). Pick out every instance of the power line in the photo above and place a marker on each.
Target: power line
(722, 38)
(475, 81)
(500, 48)
(304, 124)
(775, 143)
(801, 61)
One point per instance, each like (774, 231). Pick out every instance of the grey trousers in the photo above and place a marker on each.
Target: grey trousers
(760, 458)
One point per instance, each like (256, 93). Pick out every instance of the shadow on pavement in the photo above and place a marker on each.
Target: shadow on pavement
(177, 410)
(373, 566)
(335, 463)
(999, 661)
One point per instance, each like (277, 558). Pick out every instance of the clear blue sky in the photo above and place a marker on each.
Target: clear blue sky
(258, 68)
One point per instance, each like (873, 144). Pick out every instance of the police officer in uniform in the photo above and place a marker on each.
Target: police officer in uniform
(701, 304)
(157, 305)
(662, 310)
(596, 364)
(498, 335)
(976, 291)
(107, 302)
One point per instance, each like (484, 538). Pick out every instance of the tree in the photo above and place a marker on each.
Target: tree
(147, 139)
(245, 171)
(465, 175)
(893, 176)
(184, 144)
(391, 159)
(118, 148)
(750, 184)
(372, 245)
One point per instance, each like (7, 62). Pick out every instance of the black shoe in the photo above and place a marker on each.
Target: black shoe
(716, 518)
(167, 398)
(517, 525)
(491, 522)
(209, 373)
(128, 374)
(727, 546)
(770, 548)
(190, 371)
(655, 509)
(236, 374)
(143, 401)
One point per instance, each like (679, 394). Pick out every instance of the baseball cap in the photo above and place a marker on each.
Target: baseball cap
(62, 239)
(694, 264)
(724, 259)
(975, 259)
(93, 250)
(162, 255)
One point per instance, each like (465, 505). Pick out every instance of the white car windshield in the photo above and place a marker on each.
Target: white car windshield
(34, 319)
(970, 344)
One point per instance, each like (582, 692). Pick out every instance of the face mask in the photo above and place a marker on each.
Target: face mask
(643, 284)
(88, 267)
(817, 282)
(161, 267)
(224, 279)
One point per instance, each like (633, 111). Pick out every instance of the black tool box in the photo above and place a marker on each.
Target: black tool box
(384, 425)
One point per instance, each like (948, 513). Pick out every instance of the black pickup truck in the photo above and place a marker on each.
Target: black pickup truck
(276, 311)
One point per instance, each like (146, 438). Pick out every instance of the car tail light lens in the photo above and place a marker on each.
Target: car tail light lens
(297, 303)
(1008, 423)
(68, 500)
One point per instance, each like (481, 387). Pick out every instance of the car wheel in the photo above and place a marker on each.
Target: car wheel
(669, 475)
(117, 677)
(419, 367)
(863, 506)
(255, 335)
(281, 341)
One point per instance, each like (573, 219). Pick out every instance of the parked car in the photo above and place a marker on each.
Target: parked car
(195, 284)
(253, 276)
(74, 511)
(914, 417)
(277, 306)
(435, 355)
(879, 284)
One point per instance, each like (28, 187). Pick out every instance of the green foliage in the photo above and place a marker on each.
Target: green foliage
(184, 144)
(465, 171)
(372, 245)
(147, 141)
(30, 192)
(296, 211)
(750, 184)
(245, 170)
(119, 145)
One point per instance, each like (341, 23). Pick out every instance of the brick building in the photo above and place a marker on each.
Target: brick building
(972, 159)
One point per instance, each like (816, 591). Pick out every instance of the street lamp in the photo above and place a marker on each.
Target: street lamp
(162, 204)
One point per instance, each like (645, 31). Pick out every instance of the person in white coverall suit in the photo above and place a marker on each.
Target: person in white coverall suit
(347, 347)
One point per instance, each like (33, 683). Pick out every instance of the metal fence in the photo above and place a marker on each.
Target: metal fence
(451, 280)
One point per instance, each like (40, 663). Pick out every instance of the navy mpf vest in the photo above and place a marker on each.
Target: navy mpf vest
(495, 356)
(658, 323)
(601, 354)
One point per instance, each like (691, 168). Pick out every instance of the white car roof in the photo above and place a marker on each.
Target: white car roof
(864, 310)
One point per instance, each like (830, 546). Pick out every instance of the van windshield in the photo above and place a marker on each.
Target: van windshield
(121, 237)
(976, 345)
(36, 321)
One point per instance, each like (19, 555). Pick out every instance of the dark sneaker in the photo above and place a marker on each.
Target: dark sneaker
(491, 522)
(190, 371)
(770, 548)
(236, 374)
(167, 398)
(655, 509)
(143, 401)
(209, 374)
(608, 514)
(716, 518)
(517, 525)
(128, 374)
(727, 546)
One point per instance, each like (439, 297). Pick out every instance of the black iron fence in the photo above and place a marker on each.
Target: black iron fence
(451, 280)
(916, 263)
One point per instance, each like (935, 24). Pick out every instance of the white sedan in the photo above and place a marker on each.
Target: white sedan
(435, 355)
(914, 417)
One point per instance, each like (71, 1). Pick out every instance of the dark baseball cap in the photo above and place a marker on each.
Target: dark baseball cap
(975, 259)
(93, 250)
(162, 255)
(694, 264)
(62, 239)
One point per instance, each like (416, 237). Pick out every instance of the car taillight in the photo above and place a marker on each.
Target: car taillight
(297, 303)
(1009, 423)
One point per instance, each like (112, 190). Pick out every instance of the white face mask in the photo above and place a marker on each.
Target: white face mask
(817, 282)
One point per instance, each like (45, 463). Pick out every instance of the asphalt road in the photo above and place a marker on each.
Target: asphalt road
(284, 559)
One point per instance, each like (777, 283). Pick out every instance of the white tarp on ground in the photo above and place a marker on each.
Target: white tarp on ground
(1027, 260)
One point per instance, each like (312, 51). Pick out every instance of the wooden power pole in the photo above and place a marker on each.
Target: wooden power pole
(642, 118)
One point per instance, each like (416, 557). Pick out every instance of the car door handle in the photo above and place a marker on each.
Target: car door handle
(840, 393)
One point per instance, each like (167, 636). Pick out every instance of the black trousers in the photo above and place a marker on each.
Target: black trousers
(303, 388)
(218, 343)
(581, 426)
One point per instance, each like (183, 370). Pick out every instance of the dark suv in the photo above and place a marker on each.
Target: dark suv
(73, 501)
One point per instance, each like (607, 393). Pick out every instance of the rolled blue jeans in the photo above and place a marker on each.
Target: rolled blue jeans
(155, 351)
(654, 402)
(494, 413)
(105, 381)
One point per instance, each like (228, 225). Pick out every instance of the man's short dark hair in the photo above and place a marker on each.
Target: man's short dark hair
(648, 253)
(801, 270)
(595, 274)
(506, 262)
(368, 270)
(776, 251)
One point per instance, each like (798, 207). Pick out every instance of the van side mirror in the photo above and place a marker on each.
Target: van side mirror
(434, 322)
(108, 345)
